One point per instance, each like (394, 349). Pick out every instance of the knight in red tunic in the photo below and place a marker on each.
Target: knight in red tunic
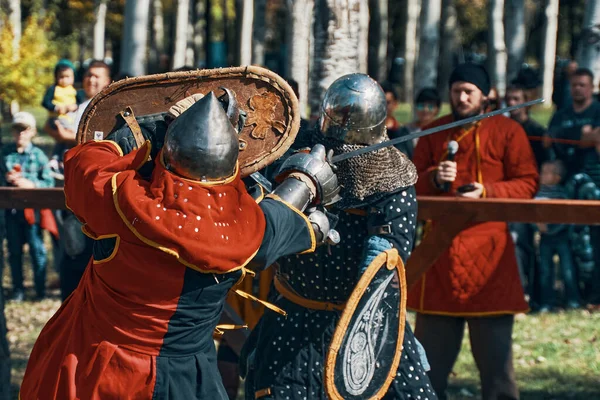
(476, 281)
(167, 250)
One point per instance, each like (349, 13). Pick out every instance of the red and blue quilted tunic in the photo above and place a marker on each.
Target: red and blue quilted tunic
(478, 274)
(140, 324)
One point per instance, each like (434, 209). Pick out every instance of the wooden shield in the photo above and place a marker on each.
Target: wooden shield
(270, 103)
(365, 350)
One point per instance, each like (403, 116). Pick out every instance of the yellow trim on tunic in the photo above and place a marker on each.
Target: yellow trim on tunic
(204, 183)
(119, 150)
(112, 235)
(313, 239)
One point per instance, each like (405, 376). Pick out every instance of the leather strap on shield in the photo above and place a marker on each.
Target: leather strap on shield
(362, 361)
(129, 118)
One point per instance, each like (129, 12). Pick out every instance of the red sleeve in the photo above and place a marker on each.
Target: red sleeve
(520, 168)
(424, 160)
(89, 168)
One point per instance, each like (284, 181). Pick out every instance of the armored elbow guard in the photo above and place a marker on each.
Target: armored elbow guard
(322, 225)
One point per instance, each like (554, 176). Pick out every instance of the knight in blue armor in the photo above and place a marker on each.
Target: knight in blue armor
(286, 356)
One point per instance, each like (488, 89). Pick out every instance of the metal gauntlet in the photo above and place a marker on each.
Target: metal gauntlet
(308, 179)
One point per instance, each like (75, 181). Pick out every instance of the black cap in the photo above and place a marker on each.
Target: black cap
(472, 73)
(428, 95)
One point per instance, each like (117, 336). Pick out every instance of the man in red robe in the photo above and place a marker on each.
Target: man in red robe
(167, 250)
(476, 281)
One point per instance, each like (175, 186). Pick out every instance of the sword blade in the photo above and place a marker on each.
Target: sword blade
(426, 132)
(262, 181)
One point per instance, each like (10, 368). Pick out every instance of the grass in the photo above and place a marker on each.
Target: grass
(555, 357)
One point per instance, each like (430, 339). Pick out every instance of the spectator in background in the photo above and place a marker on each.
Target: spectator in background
(27, 167)
(523, 233)
(555, 241)
(493, 102)
(476, 281)
(427, 108)
(96, 78)
(62, 99)
(76, 247)
(562, 86)
(579, 122)
(515, 95)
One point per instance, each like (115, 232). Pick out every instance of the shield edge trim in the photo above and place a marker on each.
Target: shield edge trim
(387, 259)
(250, 71)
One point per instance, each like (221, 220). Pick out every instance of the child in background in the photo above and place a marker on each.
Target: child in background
(555, 241)
(27, 167)
(62, 99)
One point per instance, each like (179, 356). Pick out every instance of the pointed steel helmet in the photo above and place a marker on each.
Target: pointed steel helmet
(354, 110)
(202, 144)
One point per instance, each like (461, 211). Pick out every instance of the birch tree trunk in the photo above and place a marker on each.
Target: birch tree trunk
(200, 37)
(363, 37)
(515, 36)
(413, 10)
(429, 45)
(448, 46)
(496, 46)
(100, 29)
(336, 40)
(378, 39)
(157, 37)
(14, 17)
(181, 33)
(258, 32)
(245, 31)
(549, 54)
(588, 54)
(135, 35)
(299, 45)
(190, 54)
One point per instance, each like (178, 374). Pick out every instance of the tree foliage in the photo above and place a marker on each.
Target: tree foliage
(25, 76)
(473, 21)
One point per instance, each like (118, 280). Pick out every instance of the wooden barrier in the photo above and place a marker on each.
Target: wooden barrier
(452, 214)
(11, 197)
(435, 208)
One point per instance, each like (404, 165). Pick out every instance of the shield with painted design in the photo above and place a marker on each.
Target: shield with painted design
(365, 351)
(273, 116)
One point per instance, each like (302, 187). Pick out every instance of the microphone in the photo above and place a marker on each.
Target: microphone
(452, 150)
